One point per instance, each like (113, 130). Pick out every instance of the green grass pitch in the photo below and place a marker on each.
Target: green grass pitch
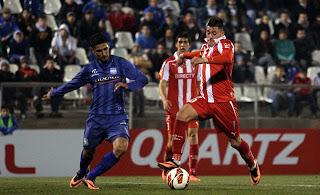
(293, 184)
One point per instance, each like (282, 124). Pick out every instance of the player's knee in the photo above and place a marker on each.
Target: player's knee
(120, 149)
(192, 133)
(235, 142)
(182, 116)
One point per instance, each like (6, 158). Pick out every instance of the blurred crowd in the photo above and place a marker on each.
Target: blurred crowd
(281, 33)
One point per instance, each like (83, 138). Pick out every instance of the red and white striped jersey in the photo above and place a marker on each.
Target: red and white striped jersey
(216, 78)
(182, 82)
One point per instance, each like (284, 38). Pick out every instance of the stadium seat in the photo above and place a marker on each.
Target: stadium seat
(316, 57)
(52, 6)
(109, 28)
(127, 10)
(267, 94)
(124, 39)
(198, 44)
(151, 92)
(312, 72)
(259, 75)
(13, 68)
(14, 6)
(35, 67)
(175, 6)
(238, 93)
(245, 40)
(70, 71)
(270, 71)
(81, 55)
(51, 22)
(121, 52)
(72, 95)
(249, 94)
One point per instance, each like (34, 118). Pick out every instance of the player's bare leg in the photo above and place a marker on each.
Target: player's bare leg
(193, 153)
(246, 154)
(186, 114)
(120, 146)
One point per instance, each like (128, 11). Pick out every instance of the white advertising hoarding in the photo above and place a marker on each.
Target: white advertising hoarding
(40, 153)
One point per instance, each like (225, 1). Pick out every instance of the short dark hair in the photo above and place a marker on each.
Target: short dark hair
(6, 107)
(97, 39)
(283, 30)
(215, 21)
(49, 58)
(183, 35)
(42, 16)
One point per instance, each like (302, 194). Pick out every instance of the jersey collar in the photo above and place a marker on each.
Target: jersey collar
(175, 55)
(219, 39)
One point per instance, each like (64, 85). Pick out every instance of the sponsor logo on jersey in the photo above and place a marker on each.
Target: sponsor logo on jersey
(107, 79)
(94, 73)
(113, 71)
(184, 75)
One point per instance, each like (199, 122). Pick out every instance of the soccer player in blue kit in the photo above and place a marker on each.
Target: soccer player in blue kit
(107, 118)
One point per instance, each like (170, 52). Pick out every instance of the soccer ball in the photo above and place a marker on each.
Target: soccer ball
(178, 178)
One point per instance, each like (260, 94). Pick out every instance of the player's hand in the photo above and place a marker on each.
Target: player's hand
(120, 84)
(166, 105)
(48, 95)
(180, 60)
(198, 60)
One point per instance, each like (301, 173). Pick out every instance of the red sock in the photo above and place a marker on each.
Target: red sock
(179, 135)
(193, 158)
(246, 153)
(168, 154)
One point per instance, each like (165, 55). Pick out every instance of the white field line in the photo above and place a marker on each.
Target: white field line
(206, 184)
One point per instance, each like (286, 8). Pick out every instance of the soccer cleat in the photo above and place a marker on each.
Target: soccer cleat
(90, 184)
(255, 174)
(164, 176)
(75, 181)
(168, 165)
(193, 178)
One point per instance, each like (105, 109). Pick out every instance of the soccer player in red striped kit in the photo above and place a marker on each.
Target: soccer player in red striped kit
(216, 100)
(178, 85)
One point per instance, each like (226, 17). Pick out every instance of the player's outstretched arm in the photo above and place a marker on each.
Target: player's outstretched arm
(77, 81)
(132, 73)
(192, 54)
(187, 55)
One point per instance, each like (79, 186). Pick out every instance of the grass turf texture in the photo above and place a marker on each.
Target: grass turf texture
(292, 184)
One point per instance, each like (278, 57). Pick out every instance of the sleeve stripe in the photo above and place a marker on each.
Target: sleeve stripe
(220, 47)
(164, 72)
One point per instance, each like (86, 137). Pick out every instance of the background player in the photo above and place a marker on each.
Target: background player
(8, 123)
(178, 85)
(217, 98)
(107, 118)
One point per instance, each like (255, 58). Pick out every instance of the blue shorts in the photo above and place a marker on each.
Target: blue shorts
(109, 127)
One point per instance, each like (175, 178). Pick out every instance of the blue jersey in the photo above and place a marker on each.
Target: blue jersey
(103, 77)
